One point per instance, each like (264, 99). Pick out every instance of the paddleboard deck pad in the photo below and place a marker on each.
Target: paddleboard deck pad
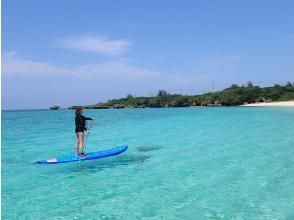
(88, 156)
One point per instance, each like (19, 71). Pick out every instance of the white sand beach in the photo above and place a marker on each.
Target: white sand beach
(278, 104)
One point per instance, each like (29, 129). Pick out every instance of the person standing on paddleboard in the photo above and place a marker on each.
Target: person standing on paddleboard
(80, 122)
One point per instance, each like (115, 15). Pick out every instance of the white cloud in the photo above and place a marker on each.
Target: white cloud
(127, 74)
(16, 65)
(98, 45)
(12, 64)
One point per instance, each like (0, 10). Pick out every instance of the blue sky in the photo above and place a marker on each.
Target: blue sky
(83, 52)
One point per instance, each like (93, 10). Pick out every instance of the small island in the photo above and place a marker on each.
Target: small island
(235, 95)
(55, 107)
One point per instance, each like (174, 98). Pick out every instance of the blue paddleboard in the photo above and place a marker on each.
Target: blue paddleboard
(88, 156)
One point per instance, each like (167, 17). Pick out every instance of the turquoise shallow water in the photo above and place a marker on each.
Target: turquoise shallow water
(182, 163)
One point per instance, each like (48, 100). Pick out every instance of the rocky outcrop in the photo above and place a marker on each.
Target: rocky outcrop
(56, 107)
(117, 106)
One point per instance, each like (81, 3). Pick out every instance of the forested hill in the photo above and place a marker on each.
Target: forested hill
(232, 96)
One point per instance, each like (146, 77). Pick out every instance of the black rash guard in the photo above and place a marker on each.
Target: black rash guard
(81, 123)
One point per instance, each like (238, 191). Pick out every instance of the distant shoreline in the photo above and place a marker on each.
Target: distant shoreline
(271, 104)
(232, 96)
(260, 104)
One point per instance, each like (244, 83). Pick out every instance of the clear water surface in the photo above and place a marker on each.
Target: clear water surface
(182, 163)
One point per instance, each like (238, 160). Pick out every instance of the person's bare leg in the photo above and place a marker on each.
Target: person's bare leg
(81, 142)
(77, 143)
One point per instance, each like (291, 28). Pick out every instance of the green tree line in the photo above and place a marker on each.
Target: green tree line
(232, 96)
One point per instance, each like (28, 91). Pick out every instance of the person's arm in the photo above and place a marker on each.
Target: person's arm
(85, 124)
(86, 118)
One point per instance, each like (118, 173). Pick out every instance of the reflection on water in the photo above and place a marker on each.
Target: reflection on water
(127, 158)
(147, 148)
(96, 165)
(123, 160)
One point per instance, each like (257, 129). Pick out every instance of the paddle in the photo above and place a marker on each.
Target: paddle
(88, 132)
